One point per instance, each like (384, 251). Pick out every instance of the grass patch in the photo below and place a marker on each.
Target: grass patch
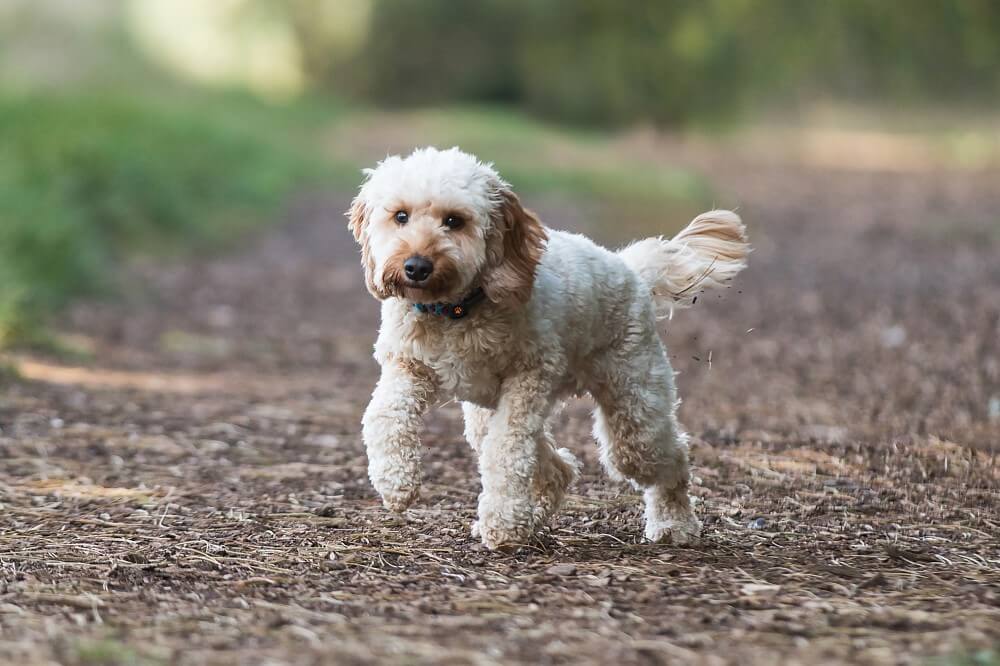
(541, 157)
(87, 181)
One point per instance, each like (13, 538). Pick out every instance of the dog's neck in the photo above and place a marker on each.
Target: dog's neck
(456, 310)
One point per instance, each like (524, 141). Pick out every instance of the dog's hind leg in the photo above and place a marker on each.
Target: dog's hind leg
(556, 468)
(640, 440)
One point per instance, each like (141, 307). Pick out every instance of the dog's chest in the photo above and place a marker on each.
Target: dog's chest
(468, 357)
(476, 382)
(469, 366)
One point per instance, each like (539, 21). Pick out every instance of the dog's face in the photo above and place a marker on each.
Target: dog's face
(435, 225)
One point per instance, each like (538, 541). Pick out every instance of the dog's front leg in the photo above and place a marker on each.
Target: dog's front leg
(508, 462)
(390, 427)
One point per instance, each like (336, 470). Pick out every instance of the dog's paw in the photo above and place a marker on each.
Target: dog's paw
(504, 524)
(474, 529)
(683, 530)
(400, 499)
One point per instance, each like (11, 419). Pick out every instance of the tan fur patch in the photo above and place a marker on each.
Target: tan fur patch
(518, 248)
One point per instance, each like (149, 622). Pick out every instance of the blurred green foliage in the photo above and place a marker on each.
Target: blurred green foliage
(86, 181)
(668, 62)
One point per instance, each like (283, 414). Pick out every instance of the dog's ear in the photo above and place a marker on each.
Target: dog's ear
(516, 246)
(357, 216)
(357, 219)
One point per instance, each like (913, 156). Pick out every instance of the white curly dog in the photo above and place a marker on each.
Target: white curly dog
(482, 303)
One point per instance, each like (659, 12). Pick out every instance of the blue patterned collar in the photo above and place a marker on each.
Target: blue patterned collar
(452, 310)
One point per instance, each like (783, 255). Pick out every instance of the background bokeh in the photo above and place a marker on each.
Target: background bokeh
(147, 126)
(185, 335)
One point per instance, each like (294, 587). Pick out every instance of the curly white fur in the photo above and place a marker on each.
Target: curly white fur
(564, 317)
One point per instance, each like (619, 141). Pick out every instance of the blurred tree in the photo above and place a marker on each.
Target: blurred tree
(331, 35)
(605, 62)
(666, 61)
(428, 51)
(590, 61)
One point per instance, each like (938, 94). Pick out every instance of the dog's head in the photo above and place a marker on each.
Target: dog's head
(436, 224)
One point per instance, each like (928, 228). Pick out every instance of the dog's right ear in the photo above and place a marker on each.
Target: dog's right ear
(357, 216)
(357, 219)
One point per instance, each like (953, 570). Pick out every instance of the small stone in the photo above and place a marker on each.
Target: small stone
(759, 590)
(212, 446)
(561, 570)
(893, 337)
(757, 524)
(323, 441)
(597, 581)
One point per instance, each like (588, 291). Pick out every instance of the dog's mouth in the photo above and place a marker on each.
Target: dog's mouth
(424, 292)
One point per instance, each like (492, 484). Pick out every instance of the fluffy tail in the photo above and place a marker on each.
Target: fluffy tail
(707, 254)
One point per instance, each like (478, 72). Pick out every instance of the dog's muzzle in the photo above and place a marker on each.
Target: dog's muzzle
(418, 268)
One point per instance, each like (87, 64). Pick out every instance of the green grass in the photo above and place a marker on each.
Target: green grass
(538, 156)
(89, 181)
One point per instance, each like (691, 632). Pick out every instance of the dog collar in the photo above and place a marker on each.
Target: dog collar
(452, 310)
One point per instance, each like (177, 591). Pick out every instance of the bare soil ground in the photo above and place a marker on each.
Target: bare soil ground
(196, 494)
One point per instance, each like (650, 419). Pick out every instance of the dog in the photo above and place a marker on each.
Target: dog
(482, 303)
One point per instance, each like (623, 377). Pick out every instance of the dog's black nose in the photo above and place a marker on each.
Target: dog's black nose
(418, 268)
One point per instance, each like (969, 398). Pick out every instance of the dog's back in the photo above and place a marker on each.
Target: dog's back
(583, 290)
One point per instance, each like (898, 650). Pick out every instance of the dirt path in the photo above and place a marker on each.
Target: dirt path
(197, 493)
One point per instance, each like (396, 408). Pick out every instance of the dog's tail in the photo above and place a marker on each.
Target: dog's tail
(707, 254)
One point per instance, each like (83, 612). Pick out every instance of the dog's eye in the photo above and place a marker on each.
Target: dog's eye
(402, 217)
(453, 221)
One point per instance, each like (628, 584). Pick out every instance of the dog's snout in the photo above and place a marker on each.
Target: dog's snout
(418, 268)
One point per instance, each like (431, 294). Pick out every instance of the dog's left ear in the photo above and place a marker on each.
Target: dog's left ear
(516, 247)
